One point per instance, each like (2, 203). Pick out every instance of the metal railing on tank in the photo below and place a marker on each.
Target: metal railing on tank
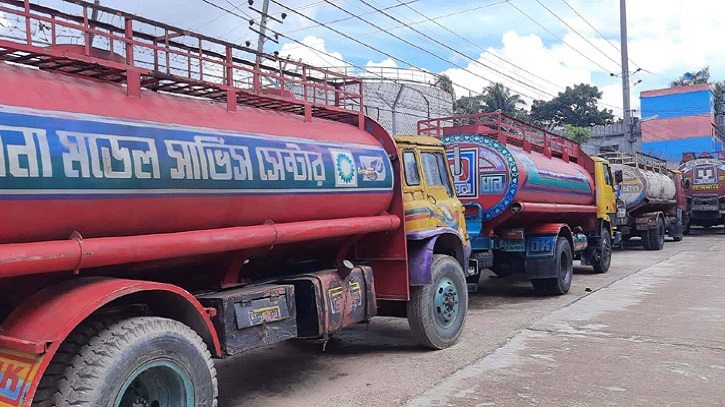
(146, 54)
(506, 130)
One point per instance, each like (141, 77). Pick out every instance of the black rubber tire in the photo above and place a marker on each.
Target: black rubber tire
(603, 259)
(100, 355)
(655, 238)
(677, 238)
(421, 307)
(565, 271)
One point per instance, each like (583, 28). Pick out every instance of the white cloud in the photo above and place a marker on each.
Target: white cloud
(313, 53)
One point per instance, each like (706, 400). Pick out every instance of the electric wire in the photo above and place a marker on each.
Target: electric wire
(556, 36)
(578, 33)
(382, 52)
(445, 46)
(483, 50)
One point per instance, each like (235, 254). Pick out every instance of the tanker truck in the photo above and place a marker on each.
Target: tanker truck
(167, 198)
(652, 196)
(534, 200)
(704, 180)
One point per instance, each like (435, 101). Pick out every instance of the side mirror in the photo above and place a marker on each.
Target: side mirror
(618, 177)
(686, 183)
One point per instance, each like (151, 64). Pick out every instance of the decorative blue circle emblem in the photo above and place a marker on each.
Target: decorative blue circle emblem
(508, 194)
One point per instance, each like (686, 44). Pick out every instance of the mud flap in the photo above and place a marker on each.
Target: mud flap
(540, 255)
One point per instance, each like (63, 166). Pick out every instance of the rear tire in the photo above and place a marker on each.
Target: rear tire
(565, 271)
(603, 258)
(127, 362)
(655, 238)
(437, 311)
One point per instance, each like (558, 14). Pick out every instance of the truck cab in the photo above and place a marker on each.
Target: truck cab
(428, 196)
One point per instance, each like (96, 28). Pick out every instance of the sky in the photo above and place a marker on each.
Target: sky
(535, 47)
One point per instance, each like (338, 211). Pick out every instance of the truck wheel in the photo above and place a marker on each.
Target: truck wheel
(437, 311)
(654, 239)
(565, 271)
(603, 257)
(139, 361)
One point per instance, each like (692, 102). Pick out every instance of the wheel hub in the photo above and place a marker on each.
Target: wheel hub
(446, 302)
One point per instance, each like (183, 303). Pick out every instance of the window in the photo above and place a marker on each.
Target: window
(608, 175)
(435, 170)
(411, 168)
(443, 169)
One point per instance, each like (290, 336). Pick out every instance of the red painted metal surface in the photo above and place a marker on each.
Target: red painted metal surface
(40, 324)
(54, 256)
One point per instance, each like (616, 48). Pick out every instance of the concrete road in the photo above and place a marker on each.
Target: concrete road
(650, 332)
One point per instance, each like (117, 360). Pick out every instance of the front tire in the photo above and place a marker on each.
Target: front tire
(603, 258)
(563, 261)
(437, 311)
(655, 238)
(148, 361)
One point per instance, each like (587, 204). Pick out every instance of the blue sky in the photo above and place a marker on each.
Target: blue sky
(666, 38)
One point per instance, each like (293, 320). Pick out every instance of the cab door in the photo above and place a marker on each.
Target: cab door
(431, 202)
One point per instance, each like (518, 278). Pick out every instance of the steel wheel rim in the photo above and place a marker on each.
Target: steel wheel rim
(161, 383)
(446, 302)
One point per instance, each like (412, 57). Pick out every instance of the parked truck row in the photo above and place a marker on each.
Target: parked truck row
(168, 199)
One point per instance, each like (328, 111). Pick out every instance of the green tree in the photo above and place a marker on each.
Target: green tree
(576, 133)
(495, 97)
(445, 83)
(576, 106)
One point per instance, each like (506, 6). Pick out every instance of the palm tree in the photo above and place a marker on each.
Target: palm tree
(497, 97)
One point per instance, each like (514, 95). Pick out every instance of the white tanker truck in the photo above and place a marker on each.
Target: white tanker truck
(651, 196)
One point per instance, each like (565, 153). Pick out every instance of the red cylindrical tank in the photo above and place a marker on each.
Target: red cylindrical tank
(78, 155)
(497, 175)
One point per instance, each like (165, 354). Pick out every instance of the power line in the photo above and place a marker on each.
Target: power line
(556, 36)
(577, 32)
(605, 38)
(483, 50)
(339, 20)
(454, 50)
(387, 54)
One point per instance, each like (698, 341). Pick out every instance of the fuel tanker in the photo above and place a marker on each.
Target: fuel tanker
(704, 180)
(162, 205)
(653, 199)
(534, 200)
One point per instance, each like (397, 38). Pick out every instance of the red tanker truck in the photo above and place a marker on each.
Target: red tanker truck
(653, 199)
(535, 200)
(167, 198)
(704, 179)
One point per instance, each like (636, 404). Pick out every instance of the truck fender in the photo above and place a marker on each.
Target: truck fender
(423, 245)
(34, 331)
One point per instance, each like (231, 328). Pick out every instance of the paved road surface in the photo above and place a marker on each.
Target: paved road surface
(651, 332)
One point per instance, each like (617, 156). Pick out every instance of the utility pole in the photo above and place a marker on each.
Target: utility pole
(263, 27)
(628, 136)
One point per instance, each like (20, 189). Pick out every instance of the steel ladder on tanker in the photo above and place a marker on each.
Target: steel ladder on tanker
(144, 54)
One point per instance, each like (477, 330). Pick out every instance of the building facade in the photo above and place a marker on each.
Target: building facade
(677, 120)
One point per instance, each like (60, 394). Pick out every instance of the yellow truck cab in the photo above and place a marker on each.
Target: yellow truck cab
(428, 196)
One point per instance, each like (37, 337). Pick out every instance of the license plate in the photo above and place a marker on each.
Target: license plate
(642, 226)
(705, 208)
(517, 245)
